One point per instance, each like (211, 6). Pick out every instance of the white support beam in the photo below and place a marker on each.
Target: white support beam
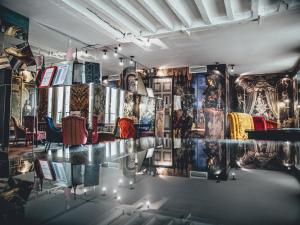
(255, 8)
(128, 8)
(155, 9)
(203, 11)
(229, 9)
(109, 11)
(92, 17)
(181, 11)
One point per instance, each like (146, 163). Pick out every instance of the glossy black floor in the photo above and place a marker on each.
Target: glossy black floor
(164, 181)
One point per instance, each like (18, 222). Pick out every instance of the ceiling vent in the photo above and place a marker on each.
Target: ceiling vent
(198, 174)
(197, 69)
(113, 77)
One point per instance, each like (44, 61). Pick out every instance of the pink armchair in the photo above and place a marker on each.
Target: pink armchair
(74, 130)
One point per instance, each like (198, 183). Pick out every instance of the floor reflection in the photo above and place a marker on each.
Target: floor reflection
(178, 157)
(92, 172)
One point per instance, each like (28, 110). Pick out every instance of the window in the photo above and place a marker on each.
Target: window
(112, 106)
(67, 100)
(49, 109)
(59, 103)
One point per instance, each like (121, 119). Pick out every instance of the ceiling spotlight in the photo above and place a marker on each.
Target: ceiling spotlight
(231, 68)
(105, 54)
(116, 52)
(131, 60)
(119, 47)
(121, 63)
(148, 43)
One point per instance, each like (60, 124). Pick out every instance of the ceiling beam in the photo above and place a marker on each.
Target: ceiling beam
(94, 18)
(181, 11)
(128, 8)
(255, 8)
(155, 9)
(109, 11)
(203, 11)
(229, 9)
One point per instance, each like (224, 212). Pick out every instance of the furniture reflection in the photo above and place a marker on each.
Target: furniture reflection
(74, 130)
(144, 130)
(30, 123)
(93, 134)
(20, 132)
(279, 134)
(53, 134)
(127, 129)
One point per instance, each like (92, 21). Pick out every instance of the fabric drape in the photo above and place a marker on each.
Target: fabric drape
(272, 101)
(251, 102)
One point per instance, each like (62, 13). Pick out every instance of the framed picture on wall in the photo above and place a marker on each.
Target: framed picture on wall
(167, 86)
(157, 87)
(167, 100)
(48, 76)
(61, 74)
(78, 73)
(38, 77)
(46, 170)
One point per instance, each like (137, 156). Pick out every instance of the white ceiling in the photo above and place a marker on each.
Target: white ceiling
(258, 36)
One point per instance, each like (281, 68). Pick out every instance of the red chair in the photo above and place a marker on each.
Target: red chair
(260, 123)
(93, 135)
(74, 130)
(271, 124)
(127, 129)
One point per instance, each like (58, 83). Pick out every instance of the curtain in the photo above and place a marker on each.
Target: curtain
(272, 102)
(251, 99)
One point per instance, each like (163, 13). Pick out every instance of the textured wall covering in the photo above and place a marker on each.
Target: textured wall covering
(269, 95)
(129, 104)
(16, 98)
(147, 110)
(42, 103)
(80, 99)
(214, 104)
(99, 102)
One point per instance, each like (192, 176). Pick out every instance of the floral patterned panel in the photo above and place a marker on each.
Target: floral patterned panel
(99, 102)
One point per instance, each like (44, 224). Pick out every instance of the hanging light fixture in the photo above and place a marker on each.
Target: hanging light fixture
(231, 68)
(121, 63)
(119, 48)
(105, 56)
(148, 43)
(131, 60)
(116, 52)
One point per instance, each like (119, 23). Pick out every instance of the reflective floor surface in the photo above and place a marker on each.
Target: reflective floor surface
(157, 181)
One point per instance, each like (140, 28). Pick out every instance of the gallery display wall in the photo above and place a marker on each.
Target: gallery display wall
(270, 95)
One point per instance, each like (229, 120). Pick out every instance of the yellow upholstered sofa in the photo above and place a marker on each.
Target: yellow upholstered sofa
(239, 123)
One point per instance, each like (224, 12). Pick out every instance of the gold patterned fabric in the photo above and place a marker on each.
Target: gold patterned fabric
(239, 123)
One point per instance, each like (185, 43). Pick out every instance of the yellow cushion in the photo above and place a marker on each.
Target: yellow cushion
(239, 123)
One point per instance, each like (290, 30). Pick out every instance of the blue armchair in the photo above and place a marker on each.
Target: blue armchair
(53, 134)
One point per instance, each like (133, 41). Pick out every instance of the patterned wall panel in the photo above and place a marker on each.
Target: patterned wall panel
(129, 104)
(80, 99)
